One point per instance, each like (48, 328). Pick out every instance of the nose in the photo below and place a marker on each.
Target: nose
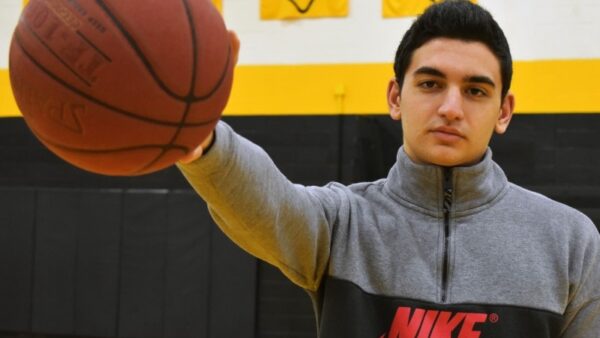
(452, 105)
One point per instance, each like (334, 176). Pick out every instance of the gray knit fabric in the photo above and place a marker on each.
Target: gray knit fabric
(507, 245)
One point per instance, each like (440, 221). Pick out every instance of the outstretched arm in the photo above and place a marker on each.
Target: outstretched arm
(285, 224)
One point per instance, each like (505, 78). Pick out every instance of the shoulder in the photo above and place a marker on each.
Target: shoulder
(355, 189)
(364, 188)
(353, 194)
(556, 214)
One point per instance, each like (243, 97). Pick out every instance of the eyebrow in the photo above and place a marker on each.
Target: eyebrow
(429, 71)
(480, 79)
(470, 79)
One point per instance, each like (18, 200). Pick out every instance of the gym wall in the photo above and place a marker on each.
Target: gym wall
(312, 93)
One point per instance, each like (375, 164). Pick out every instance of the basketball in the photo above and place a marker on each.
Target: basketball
(121, 87)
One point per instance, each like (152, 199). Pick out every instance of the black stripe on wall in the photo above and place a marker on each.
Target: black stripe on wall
(557, 155)
(119, 263)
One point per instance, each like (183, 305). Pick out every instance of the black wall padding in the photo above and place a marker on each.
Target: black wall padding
(229, 298)
(120, 263)
(187, 305)
(55, 265)
(17, 218)
(143, 265)
(98, 238)
(557, 155)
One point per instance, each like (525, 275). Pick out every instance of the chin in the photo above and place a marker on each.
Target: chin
(455, 160)
(444, 155)
(447, 157)
(447, 162)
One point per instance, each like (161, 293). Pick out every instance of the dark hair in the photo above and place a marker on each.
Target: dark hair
(455, 19)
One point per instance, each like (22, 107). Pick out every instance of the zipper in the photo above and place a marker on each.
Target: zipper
(446, 207)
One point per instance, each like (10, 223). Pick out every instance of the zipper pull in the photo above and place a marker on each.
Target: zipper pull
(448, 190)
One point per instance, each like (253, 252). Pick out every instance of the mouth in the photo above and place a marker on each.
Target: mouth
(447, 134)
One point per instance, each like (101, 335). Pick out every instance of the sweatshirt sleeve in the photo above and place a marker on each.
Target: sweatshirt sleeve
(582, 316)
(256, 206)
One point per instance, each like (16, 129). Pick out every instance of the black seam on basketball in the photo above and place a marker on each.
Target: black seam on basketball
(93, 46)
(138, 52)
(184, 149)
(166, 147)
(37, 37)
(224, 74)
(188, 99)
(149, 67)
(192, 86)
(100, 102)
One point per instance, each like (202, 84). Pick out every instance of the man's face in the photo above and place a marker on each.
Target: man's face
(450, 102)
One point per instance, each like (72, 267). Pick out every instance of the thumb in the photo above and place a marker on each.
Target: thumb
(191, 156)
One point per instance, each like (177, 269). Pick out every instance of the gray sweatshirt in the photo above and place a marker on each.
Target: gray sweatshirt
(425, 252)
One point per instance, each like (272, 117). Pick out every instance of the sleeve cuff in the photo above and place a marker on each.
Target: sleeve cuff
(216, 156)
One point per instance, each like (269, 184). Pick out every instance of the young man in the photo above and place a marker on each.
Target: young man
(444, 246)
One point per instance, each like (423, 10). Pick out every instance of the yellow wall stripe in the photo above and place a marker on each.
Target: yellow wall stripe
(8, 106)
(554, 86)
(559, 86)
(309, 89)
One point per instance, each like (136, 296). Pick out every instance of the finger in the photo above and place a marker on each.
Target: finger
(235, 45)
(191, 156)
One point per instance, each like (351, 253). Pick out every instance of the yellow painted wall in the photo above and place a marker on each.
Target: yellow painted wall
(541, 86)
(561, 86)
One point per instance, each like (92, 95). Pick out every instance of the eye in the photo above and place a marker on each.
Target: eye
(477, 92)
(428, 84)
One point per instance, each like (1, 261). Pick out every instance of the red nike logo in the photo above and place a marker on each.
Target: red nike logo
(434, 324)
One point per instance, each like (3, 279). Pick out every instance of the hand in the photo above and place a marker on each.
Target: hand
(197, 153)
(235, 46)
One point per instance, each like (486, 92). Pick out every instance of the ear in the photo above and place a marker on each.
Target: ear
(393, 99)
(506, 113)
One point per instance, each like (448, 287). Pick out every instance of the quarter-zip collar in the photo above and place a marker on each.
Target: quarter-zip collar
(421, 186)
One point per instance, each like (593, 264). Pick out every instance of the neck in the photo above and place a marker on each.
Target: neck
(422, 185)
